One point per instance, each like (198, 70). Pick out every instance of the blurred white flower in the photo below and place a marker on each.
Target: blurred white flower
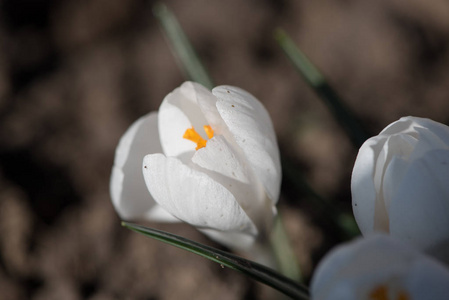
(400, 184)
(209, 158)
(379, 268)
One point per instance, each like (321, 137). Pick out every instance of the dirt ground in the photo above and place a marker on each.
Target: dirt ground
(75, 74)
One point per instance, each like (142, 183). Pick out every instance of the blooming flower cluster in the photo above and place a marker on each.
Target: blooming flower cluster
(210, 158)
(206, 158)
(400, 189)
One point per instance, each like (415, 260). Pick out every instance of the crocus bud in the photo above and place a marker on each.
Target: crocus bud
(400, 184)
(379, 268)
(208, 158)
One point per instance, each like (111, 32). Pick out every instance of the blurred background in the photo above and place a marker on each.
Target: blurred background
(75, 74)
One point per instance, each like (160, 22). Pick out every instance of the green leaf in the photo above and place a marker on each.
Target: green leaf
(181, 46)
(285, 256)
(318, 82)
(347, 222)
(247, 267)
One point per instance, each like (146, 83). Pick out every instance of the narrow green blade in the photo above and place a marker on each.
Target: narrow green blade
(181, 46)
(286, 259)
(247, 267)
(317, 81)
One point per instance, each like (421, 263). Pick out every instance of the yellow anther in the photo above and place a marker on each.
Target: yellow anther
(209, 131)
(194, 136)
(381, 293)
(403, 296)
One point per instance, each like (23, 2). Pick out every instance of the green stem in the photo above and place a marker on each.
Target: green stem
(318, 82)
(283, 251)
(181, 46)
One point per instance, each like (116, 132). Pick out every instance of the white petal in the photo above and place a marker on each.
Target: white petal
(346, 264)
(234, 240)
(354, 270)
(426, 141)
(439, 130)
(393, 177)
(252, 129)
(364, 195)
(159, 214)
(397, 147)
(129, 194)
(427, 280)
(419, 211)
(178, 112)
(403, 125)
(352, 267)
(209, 108)
(208, 105)
(233, 173)
(193, 196)
(219, 157)
(412, 126)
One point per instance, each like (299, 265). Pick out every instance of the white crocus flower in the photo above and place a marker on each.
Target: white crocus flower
(209, 158)
(379, 268)
(400, 184)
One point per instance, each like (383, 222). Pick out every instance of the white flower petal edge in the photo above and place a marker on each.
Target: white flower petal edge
(179, 111)
(249, 123)
(411, 124)
(193, 196)
(235, 240)
(364, 200)
(359, 268)
(426, 180)
(129, 194)
(235, 175)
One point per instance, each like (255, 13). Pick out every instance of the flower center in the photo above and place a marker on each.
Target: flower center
(194, 136)
(381, 293)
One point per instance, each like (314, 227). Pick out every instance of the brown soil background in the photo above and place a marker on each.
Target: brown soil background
(75, 74)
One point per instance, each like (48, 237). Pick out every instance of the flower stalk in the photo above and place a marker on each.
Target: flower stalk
(319, 83)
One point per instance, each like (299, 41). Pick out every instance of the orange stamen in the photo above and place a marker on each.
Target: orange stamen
(209, 131)
(403, 296)
(194, 136)
(381, 293)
